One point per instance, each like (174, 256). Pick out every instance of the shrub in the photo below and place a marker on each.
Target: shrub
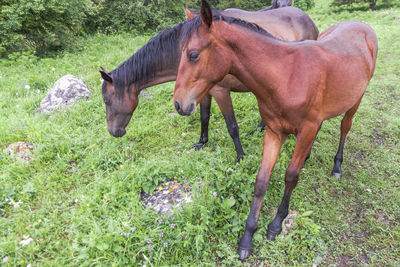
(138, 16)
(304, 4)
(361, 4)
(41, 24)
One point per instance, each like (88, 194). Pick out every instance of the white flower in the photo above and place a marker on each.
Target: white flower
(183, 134)
(27, 87)
(53, 69)
(38, 91)
(15, 204)
(26, 240)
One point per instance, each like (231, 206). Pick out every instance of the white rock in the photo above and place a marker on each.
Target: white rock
(66, 91)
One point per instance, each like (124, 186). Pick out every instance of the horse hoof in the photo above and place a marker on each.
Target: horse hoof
(244, 253)
(198, 146)
(240, 157)
(271, 235)
(337, 175)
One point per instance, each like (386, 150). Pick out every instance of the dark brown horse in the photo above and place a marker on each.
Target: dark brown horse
(298, 85)
(157, 62)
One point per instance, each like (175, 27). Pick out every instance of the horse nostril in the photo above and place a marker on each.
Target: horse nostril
(191, 107)
(177, 106)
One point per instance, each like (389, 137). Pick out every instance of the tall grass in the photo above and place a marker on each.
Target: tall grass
(80, 195)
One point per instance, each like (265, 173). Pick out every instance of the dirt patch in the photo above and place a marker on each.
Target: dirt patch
(344, 260)
(383, 219)
(378, 138)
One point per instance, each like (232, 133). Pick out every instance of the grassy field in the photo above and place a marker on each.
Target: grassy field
(80, 195)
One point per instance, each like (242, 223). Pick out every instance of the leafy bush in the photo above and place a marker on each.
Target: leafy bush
(362, 4)
(41, 24)
(304, 4)
(137, 16)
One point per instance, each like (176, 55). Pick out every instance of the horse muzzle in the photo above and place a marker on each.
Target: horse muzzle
(185, 111)
(118, 132)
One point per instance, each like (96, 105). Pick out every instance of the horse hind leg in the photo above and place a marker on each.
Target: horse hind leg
(344, 129)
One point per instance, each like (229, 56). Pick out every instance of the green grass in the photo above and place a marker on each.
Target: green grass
(81, 191)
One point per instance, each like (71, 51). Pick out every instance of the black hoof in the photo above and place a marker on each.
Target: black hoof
(244, 253)
(337, 175)
(240, 157)
(271, 235)
(198, 145)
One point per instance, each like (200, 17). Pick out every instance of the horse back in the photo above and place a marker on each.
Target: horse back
(287, 23)
(352, 38)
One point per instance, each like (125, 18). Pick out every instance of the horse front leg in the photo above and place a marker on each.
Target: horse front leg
(304, 143)
(205, 106)
(223, 98)
(272, 146)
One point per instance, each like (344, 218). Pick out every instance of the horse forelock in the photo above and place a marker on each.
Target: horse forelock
(157, 54)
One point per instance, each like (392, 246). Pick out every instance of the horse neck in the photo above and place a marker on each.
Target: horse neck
(156, 62)
(167, 75)
(249, 47)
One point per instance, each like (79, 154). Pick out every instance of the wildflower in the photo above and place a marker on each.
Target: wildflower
(27, 87)
(29, 265)
(133, 229)
(183, 134)
(232, 197)
(150, 247)
(165, 245)
(180, 235)
(53, 69)
(121, 166)
(5, 259)
(161, 235)
(15, 204)
(173, 225)
(26, 240)
(40, 221)
(38, 91)
(215, 194)
(148, 241)
(159, 220)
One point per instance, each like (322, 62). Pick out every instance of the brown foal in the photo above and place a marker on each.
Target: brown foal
(298, 85)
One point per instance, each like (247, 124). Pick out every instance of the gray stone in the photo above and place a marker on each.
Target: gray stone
(66, 91)
(168, 197)
(20, 151)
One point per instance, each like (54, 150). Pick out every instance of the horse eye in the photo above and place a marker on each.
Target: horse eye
(193, 56)
(107, 102)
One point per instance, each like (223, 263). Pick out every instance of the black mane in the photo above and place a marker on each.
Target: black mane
(160, 52)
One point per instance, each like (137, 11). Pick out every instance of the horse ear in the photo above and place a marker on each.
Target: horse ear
(189, 14)
(106, 75)
(206, 13)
